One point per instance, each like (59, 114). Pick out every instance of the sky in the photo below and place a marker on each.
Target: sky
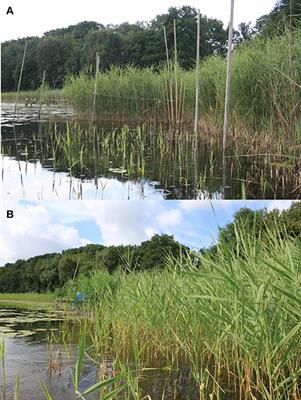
(45, 227)
(33, 17)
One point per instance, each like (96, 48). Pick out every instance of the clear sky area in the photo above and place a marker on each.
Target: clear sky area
(33, 17)
(40, 228)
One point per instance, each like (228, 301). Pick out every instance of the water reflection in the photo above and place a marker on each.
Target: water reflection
(33, 357)
(35, 352)
(65, 160)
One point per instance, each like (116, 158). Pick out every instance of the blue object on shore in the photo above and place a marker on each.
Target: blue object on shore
(79, 297)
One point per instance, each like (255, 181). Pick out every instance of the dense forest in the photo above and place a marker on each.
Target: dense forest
(51, 271)
(70, 51)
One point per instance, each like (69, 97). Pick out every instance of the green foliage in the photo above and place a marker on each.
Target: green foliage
(261, 222)
(286, 14)
(49, 272)
(264, 92)
(71, 50)
(233, 321)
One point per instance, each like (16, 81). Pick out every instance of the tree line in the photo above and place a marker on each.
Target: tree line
(49, 272)
(70, 51)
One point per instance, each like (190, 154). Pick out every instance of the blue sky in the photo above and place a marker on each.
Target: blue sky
(45, 227)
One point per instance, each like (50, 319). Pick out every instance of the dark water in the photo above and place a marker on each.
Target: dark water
(54, 160)
(34, 357)
(35, 351)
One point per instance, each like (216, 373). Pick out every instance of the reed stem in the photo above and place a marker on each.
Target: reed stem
(197, 76)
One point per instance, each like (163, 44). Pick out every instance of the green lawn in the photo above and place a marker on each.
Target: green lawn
(28, 297)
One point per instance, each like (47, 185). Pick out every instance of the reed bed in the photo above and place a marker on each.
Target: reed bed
(265, 89)
(232, 318)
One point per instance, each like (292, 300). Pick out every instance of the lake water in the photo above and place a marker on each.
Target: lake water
(33, 356)
(47, 158)
(29, 355)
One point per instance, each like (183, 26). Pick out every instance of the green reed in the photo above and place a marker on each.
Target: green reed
(232, 318)
(264, 95)
(2, 356)
(258, 165)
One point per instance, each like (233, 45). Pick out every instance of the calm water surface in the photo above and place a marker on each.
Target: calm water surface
(31, 355)
(48, 158)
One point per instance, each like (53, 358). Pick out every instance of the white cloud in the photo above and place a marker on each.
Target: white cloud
(279, 204)
(122, 222)
(170, 218)
(56, 225)
(190, 205)
(49, 227)
(150, 232)
(33, 231)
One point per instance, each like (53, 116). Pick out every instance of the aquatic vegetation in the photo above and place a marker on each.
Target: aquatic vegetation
(232, 317)
(2, 355)
(265, 91)
(223, 322)
(186, 166)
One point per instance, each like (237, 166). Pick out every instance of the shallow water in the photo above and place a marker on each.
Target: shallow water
(40, 161)
(33, 358)
(29, 356)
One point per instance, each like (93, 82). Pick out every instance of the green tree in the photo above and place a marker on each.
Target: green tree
(108, 44)
(153, 252)
(58, 56)
(67, 269)
(285, 14)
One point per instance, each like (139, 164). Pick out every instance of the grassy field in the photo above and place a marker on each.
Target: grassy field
(232, 318)
(27, 297)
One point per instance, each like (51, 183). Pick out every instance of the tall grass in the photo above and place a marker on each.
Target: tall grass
(261, 90)
(47, 96)
(232, 318)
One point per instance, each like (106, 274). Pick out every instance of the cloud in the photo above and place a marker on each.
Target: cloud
(279, 204)
(170, 218)
(53, 226)
(123, 222)
(32, 232)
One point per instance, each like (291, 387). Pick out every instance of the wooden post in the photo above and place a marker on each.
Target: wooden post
(41, 92)
(228, 78)
(227, 100)
(20, 79)
(166, 47)
(176, 71)
(197, 76)
(95, 88)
